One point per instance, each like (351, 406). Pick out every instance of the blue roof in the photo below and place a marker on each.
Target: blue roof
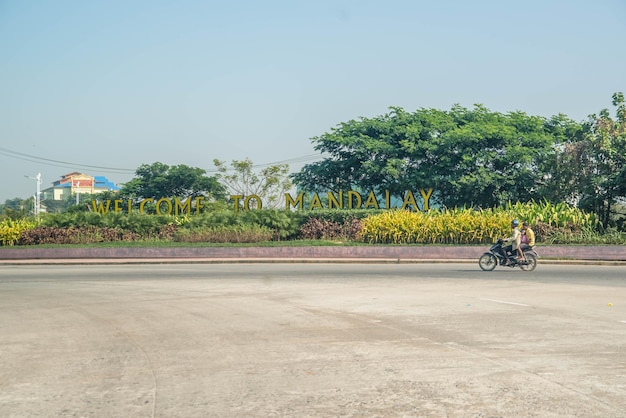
(102, 182)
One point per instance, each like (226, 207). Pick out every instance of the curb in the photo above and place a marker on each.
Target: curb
(605, 255)
(138, 261)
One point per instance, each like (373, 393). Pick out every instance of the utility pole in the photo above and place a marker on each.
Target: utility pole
(38, 194)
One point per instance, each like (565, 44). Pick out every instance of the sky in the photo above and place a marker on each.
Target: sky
(101, 87)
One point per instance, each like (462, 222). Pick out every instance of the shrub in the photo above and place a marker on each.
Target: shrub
(316, 228)
(469, 226)
(247, 234)
(12, 229)
(558, 215)
(551, 222)
(285, 224)
(148, 226)
(75, 235)
(461, 226)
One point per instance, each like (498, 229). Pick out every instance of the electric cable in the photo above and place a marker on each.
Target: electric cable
(117, 170)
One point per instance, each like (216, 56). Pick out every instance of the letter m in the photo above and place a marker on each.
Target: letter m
(289, 202)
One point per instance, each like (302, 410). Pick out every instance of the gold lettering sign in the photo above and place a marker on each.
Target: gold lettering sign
(343, 199)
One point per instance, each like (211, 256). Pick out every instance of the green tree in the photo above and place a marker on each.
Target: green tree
(270, 183)
(561, 180)
(18, 208)
(471, 157)
(601, 159)
(159, 180)
(57, 206)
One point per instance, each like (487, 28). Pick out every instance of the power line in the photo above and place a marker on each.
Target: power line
(65, 164)
(48, 161)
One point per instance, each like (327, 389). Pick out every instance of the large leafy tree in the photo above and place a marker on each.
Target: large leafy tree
(377, 154)
(159, 180)
(471, 157)
(561, 179)
(601, 161)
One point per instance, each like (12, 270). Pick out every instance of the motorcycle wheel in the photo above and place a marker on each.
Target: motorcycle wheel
(529, 264)
(487, 262)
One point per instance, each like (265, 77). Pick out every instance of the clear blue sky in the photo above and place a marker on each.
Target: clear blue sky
(102, 87)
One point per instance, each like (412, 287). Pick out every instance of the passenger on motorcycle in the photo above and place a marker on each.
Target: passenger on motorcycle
(528, 237)
(513, 242)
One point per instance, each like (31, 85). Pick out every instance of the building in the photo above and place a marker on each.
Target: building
(76, 183)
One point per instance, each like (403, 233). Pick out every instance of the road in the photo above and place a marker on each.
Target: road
(324, 340)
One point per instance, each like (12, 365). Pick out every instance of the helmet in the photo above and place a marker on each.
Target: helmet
(515, 222)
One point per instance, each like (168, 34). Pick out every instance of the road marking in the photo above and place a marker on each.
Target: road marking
(505, 302)
(623, 322)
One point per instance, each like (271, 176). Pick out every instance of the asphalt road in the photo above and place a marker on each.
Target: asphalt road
(202, 340)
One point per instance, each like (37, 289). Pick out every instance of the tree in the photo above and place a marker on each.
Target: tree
(159, 180)
(383, 153)
(561, 179)
(469, 157)
(270, 184)
(17, 208)
(58, 206)
(601, 161)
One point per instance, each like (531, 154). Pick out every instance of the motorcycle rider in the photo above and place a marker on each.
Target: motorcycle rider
(512, 243)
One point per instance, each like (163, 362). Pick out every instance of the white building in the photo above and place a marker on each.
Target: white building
(77, 183)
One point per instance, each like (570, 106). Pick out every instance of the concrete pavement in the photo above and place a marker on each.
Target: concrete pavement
(295, 340)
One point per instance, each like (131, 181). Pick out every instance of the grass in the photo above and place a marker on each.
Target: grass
(593, 239)
(170, 244)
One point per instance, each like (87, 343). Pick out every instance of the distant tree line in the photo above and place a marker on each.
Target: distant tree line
(470, 157)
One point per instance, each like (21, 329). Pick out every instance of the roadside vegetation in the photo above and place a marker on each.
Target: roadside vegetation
(568, 179)
(553, 224)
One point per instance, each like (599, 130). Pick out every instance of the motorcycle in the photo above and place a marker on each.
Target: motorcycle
(490, 259)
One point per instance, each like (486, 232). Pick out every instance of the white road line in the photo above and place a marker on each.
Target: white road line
(624, 322)
(505, 302)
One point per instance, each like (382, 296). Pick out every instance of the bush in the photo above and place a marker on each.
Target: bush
(246, 234)
(469, 226)
(558, 223)
(462, 226)
(12, 229)
(148, 226)
(283, 224)
(75, 235)
(558, 215)
(576, 235)
(316, 228)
